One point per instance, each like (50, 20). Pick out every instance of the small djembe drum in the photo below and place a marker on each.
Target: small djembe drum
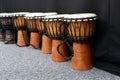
(80, 28)
(7, 25)
(1, 29)
(46, 41)
(35, 37)
(55, 30)
(20, 25)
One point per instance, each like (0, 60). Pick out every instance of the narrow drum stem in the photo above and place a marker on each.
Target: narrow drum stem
(22, 37)
(82, 57)
(46, 45)
(35, 39)
(56, 57)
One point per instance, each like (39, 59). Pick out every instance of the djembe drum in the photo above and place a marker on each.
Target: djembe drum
(55, 30)
(7, 25)
(20, 25)
(35, 37)
(1, 29)
(80, 29)
(46, 41)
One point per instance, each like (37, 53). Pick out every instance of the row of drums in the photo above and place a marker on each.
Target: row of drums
(64, 36)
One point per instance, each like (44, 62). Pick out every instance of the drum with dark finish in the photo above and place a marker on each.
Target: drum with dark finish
(7, 25)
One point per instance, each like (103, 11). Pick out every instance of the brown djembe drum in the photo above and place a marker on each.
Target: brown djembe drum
(20, 25)
(80, 28)
(46, 41)
(35, 37)
(55, 30)
(7, 25)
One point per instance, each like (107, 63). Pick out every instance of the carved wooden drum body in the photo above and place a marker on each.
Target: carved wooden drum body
(80, 28)
(46, 41)
(20, 25)
(55, 29)
(35, 37)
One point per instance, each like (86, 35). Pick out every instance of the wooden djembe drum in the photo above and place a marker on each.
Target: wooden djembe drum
(46, 41)
(55, 30)
(20, 25)
(1, 29)
(35, 37)
(80, 28)
(7, 25)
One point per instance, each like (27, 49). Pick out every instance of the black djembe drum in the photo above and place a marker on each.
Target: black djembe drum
(20, 25)
(80, 29)
(35, 37)
(7, 25)
(46, 41)
(55, 29)
(1, 29)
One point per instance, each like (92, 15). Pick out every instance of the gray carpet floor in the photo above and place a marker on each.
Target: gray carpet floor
(24, 63)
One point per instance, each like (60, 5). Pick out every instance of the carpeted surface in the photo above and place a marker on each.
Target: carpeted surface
(24, 63)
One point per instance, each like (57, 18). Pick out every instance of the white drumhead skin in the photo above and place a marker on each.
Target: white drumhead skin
(19, 13)
(81, 17)
(5, 15)
(45, 14)
(56, 16)
(32, 15)
(50, 13)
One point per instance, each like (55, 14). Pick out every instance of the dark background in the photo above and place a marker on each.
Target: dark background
(106, 42)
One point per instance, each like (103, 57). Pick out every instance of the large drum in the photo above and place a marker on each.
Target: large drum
(35, 37)
(55, 29)
(7, 25)
(80, 28)
(46, 41)
(20, 25)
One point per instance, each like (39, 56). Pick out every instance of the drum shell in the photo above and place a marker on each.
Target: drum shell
(6, 23)
(80, 31)
(31, 25)
(40, 26)
(19, 22)
(55, 29)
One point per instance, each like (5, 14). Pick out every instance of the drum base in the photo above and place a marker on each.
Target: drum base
(46, 45)
(35, 39)
(20, 39)
(82, 57)
(56, 57)
(2, 35)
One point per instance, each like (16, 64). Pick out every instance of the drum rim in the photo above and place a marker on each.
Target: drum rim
(79, 19)
(16, 14)
(6, 15)
(58, 17)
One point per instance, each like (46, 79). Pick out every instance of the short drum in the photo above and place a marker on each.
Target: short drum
(7, 25)
(46, 41)
(20, 25)
(35, 37)
(55, 29)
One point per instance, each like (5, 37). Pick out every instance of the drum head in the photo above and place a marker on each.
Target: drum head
(54, 17)
(19, 13)
(5, 15)
(80, 27)
(81, 17)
